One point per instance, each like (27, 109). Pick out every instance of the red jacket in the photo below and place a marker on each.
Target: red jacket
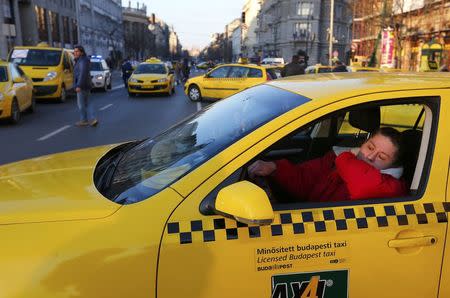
(340, 178)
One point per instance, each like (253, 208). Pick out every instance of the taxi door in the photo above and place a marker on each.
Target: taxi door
(67, 71)
(214, 83)
(390, 247)
(237, 80)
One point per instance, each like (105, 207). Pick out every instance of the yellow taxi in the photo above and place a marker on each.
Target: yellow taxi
(51, 69)
(318, 68)
(16, 92)
(362, 69)
(151, 76)
(226, 80)
(178, 215)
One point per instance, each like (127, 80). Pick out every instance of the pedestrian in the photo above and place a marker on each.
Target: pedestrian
(186, 69)
(303, 58)
(127, 69)
(340, 67)
(293, 68)
(178, 72)
(83, 85)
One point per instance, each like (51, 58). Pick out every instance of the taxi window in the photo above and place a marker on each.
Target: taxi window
(254, 73)
(66, 61)
(238, 72)
(35, 57)
(153, 164)
(96, 66)
(221, 72)
(151, 68)
(3, 74)
(325, 70)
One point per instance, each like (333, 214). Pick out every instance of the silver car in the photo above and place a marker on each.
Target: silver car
(100, 74)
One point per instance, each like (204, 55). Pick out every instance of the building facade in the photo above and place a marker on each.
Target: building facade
(286, 26)
(101, 28)
(408, 26)
(139, 40)
(249, 38)
(33, 21)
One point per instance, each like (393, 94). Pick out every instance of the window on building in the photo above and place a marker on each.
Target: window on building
(41, 23)
(305, 8)
(75, 31)
(54, 25)
(66, 29)
(302, 30)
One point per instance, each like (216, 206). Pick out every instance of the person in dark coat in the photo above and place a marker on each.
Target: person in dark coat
(82, 86)
(186, 69)
(127, 69)
(293, 68)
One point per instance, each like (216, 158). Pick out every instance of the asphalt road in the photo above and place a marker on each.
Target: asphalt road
(51, 128)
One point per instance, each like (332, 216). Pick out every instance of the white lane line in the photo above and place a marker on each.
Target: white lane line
(47, 136)
(199, 106)
(106, 107)
(117, 87)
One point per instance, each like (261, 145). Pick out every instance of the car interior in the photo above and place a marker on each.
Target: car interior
(350, 128)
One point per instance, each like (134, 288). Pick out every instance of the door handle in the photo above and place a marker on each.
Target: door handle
(412, 242)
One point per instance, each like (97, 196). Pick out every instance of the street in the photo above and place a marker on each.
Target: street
(51, 128)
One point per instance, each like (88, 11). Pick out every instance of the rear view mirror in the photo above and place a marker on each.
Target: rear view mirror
(245, 202)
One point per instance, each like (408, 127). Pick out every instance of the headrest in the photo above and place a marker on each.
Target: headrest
(367, 119)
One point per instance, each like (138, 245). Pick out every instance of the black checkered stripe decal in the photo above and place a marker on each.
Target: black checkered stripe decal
(303, 222)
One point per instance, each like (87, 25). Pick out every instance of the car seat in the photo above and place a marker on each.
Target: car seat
(411, 139)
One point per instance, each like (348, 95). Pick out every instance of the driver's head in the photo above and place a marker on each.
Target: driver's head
(383, 149)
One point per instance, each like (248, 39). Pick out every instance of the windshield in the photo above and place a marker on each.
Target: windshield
(3, 74)
(34, 57)
(150, 68)
(156, 163)
(96, 66)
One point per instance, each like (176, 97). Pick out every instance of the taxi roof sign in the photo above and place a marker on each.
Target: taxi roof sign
(153, 60)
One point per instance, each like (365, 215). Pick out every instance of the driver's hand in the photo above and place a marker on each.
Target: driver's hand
(261, 168)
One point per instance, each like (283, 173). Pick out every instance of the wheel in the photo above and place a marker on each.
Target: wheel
(131, 94)
(32, 107)
(63, 96)
(105, 87)
(194, 93)
(15, 112)
(110, 84)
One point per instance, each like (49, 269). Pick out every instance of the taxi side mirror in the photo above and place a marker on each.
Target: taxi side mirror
(18, 80)
(245, 202)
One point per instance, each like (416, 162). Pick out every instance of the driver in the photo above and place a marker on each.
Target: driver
(371, 171)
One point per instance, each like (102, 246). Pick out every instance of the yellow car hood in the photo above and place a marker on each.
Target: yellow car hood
(53, 188)
(37, 71)
(149, 76)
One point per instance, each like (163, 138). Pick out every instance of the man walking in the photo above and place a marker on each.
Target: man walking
(293, 68)
(82, 85)
(127, 70)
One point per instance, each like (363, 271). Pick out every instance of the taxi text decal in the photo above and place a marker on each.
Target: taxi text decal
(300, 254)
(324, 284)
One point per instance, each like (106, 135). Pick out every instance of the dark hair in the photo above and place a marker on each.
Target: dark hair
(80, 48)
(303, 54)
(396, 139)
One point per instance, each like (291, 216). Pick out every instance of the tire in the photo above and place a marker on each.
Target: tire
(130, 94)
(105, 87)
(32, 108)
(63, 96)
(194, 93)
(15, 112)
(110, 83)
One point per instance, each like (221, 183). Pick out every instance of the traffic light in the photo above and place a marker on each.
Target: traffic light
(243, 17)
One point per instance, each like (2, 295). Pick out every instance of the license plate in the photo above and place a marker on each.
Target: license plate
(147, 87)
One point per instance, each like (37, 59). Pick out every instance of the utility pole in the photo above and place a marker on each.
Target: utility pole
(330, 45)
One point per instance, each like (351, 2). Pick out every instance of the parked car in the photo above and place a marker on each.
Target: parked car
(177, 213)
(226, 80)
(100, 73)
(16, 92)
(50, 69)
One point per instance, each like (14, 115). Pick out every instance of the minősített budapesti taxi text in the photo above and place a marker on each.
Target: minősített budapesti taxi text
(226, 80)
(16, 92)
(178, 214)
(151, 76)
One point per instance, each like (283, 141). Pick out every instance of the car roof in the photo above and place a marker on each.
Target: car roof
(336, 86)
(38, 48)
(243, 64)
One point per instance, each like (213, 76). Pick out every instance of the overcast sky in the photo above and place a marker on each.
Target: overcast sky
(194, 20)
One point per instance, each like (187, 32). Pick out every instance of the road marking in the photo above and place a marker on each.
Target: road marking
(199, 106)
(117, 87)
(53, 133)
(105, 107)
